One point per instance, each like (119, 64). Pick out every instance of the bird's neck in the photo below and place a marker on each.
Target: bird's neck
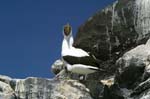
(71, 41)
(67, 42)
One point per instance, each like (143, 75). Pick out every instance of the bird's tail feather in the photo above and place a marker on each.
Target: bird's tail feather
(98, 69)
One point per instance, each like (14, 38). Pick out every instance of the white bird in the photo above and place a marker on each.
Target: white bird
(77, 60)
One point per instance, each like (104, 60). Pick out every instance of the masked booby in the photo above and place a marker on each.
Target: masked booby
(76, 60)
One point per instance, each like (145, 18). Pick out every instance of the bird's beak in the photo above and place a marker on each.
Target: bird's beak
(67, 30)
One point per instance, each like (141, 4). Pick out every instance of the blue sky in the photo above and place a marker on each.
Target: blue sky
(31, 32)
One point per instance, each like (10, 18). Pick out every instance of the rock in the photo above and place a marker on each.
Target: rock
(141, 88)
(113, 92)
(115, 30)
(8, 80)
(142, 18)
(6, 92)
(142, 91)
(131, 65)
(96, 88)
(40, 88)
(108, 82)
(126, 93)
(57, 66)
(144, 95)
(146, 74)
(5, 79)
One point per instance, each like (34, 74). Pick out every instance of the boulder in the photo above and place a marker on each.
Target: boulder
(57, 66)
(5, 79)
(40, 88)
(6, 92)
(133, 64)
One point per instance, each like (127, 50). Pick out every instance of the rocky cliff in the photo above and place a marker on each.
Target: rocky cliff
(41, 88)
(118, 36)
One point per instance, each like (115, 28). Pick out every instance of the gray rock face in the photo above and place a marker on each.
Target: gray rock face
(6, 92)
(5, 79)
(142, 87)
(144, 95)
(142, 19)
(57, 66)
(132, 65)
(40, 88)
(115, 30)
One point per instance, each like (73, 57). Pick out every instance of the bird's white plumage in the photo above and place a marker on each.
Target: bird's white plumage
(81, 69)
(69, 50)
(79, 52)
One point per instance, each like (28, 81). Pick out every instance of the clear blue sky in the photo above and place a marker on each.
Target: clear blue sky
(31, 32)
